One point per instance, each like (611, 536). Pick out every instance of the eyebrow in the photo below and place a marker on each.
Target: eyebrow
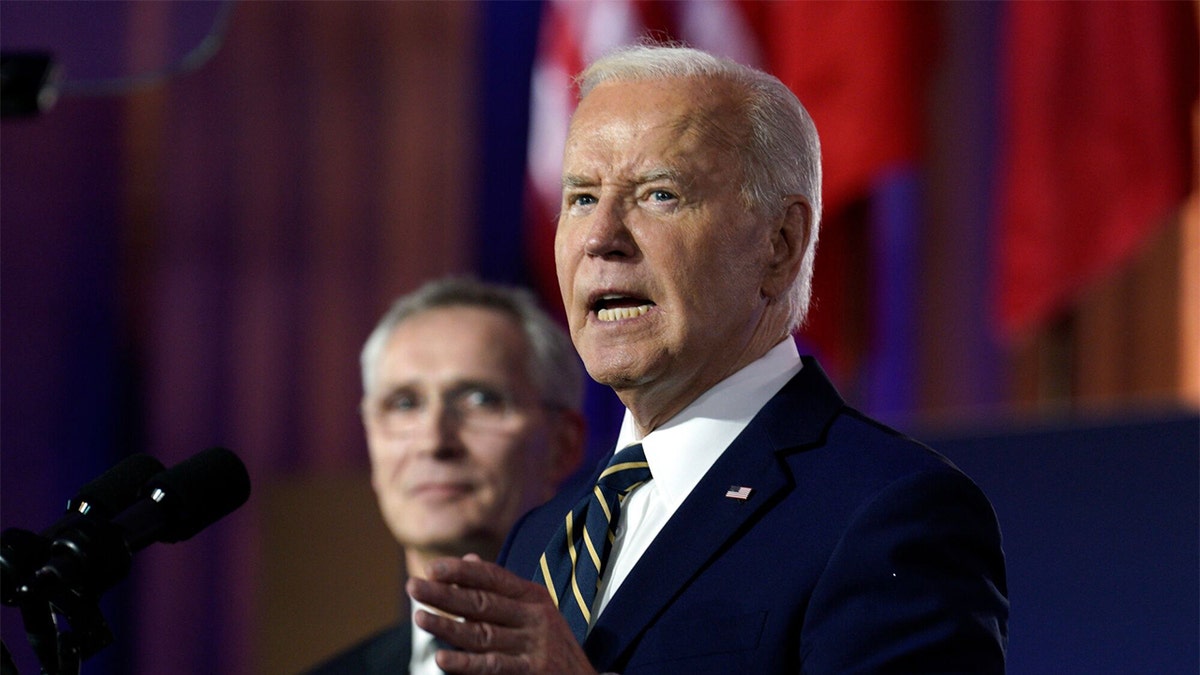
(664, 173)
(574, 181)
(571, 180)
(459, 386)
(453, 386)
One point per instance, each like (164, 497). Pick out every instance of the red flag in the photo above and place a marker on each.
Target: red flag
(861, 69)
(1097, 147)
(573, 33)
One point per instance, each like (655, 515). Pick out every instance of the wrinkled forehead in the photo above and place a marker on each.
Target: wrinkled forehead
(683, 123)
(708, 107)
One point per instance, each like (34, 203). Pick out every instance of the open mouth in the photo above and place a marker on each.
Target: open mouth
(619, 307)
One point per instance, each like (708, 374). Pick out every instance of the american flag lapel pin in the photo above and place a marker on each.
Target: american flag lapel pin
(739, 492)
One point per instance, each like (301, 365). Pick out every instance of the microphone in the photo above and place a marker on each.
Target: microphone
(91, 555)
(194, 494)
(22, 552)
(116, 488)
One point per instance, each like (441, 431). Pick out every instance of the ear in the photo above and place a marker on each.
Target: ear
(568, 441)
(790, 235)
(364, 416)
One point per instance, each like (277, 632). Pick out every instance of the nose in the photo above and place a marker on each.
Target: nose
(607, 233)
(436, 432)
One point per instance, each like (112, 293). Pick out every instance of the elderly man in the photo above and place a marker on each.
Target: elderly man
(471, 408)
(749, 522)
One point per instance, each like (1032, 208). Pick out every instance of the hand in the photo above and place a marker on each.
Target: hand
(510, 625)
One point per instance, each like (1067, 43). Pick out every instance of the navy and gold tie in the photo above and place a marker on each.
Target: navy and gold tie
(575, 559)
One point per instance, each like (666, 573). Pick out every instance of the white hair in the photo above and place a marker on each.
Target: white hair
(782, 149)
(556, 371)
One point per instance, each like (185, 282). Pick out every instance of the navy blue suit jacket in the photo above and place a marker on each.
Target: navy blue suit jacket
(859, 550)
(384, 653)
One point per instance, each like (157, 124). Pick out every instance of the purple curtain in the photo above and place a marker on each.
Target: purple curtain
(197, 262)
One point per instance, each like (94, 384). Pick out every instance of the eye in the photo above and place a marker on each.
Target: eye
(481, 398)
(662, 196)
(581, 199)
(400, 401)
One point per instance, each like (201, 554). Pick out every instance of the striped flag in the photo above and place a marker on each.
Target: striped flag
(573, 33)
(865, 95)
(739, 492)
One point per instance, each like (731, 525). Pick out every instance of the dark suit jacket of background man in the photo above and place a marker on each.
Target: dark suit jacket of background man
(850, 530)
(385, 653)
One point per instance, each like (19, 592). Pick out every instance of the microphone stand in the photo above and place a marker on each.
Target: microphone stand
(7, 665)
(65, 577)
(42, 633)
(60, 652)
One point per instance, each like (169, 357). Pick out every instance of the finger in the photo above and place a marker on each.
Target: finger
(472, 572)
(540, 657)
(469, 635)
(470, 603)
(441, 627)
(545, 647)
(466, 663)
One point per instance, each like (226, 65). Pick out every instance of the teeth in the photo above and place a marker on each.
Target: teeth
(619, 313)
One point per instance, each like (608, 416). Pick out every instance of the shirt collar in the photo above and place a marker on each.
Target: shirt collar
(423, 646)
(682, 450)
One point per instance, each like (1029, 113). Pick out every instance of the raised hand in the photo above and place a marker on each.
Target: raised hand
(509, 624)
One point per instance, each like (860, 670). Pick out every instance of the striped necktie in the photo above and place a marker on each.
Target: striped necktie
(575, 559)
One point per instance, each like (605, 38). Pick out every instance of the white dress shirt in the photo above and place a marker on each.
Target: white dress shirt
(423, 648)
(682, 450)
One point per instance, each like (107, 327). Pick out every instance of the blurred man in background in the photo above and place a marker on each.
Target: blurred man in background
(471, 406)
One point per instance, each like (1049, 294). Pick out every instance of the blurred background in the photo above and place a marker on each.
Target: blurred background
(198, 234)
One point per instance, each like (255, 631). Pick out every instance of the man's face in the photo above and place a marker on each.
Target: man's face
(660, 262)
(460, 443)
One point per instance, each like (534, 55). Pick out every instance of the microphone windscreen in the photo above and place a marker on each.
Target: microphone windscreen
(110, 492)
(199, 491)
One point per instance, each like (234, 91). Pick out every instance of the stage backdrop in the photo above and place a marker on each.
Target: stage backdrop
(195, 240)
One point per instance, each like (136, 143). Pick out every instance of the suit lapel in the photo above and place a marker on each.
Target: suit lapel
(393, 650)
(794, 419)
